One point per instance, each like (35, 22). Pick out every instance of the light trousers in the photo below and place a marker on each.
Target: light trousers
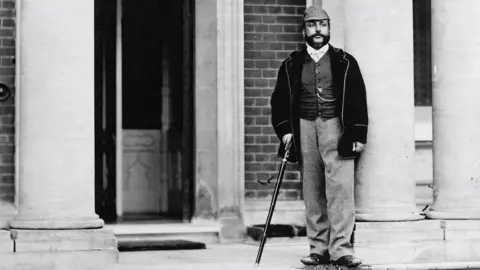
(328, 188)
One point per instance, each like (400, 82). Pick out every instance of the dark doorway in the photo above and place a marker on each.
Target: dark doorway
(422, 47)
(154, 178)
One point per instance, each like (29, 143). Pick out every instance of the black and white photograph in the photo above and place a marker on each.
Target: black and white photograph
(239, 134)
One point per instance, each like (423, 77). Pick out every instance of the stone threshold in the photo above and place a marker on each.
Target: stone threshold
(147, 228)
(206, 232)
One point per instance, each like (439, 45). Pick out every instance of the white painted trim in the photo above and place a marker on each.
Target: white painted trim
(119, 128)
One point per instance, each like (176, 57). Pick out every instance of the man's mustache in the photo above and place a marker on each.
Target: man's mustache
(316, 35)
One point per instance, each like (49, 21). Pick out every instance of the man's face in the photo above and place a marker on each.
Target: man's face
(317, 33)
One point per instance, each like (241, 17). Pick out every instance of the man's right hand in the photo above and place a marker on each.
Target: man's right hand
(287, 138)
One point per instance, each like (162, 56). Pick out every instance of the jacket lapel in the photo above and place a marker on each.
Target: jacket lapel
(339, 67)
(295, 69)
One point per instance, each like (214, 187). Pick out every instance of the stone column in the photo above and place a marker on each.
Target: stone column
(456, 110)
(230, 102)
(219, 109)
(56, 115)
(205, 110)
(379, 34)
(230, 115)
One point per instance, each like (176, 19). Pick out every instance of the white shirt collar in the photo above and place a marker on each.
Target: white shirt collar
(317, 54)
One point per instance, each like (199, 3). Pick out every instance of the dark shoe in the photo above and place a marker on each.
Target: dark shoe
(348, 261)
(316, 259)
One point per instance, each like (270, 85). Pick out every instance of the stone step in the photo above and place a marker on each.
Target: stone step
(248, 266)
(241, 257)
(381, 243)
(204, 233)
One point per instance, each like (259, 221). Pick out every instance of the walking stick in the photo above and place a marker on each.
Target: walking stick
(272, 203)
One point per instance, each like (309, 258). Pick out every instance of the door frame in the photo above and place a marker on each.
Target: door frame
(188, 140)
(109, 175)
(105, 124)
(119, 111)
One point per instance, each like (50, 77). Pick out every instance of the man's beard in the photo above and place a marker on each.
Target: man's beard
(317, 45)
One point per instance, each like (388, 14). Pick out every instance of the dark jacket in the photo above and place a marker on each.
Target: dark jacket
(352, 101)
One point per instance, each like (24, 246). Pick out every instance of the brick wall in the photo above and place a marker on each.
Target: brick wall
(7, 109)
(272, 32)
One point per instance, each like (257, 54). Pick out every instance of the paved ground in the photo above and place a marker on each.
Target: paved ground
(242, 257)
(235, 256)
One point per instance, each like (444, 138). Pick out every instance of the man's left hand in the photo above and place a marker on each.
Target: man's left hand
(358, 147)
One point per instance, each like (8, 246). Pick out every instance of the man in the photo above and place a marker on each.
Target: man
(319, 109)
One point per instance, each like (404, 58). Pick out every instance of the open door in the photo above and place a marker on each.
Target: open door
(105, 109)
(144, 112)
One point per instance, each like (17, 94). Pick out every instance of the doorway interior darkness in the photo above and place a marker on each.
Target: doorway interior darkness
(422, 48)
(144, 110)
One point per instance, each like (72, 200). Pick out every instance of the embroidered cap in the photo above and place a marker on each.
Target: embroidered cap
(313, 13)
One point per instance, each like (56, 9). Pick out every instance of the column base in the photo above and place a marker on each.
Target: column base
(398, 242)
(63, 240)
(391, 216)
(6, 243)
(460, 215)
(73, 260)
(65, 249)
(57, 224)
(425, 241)
(232, 230)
